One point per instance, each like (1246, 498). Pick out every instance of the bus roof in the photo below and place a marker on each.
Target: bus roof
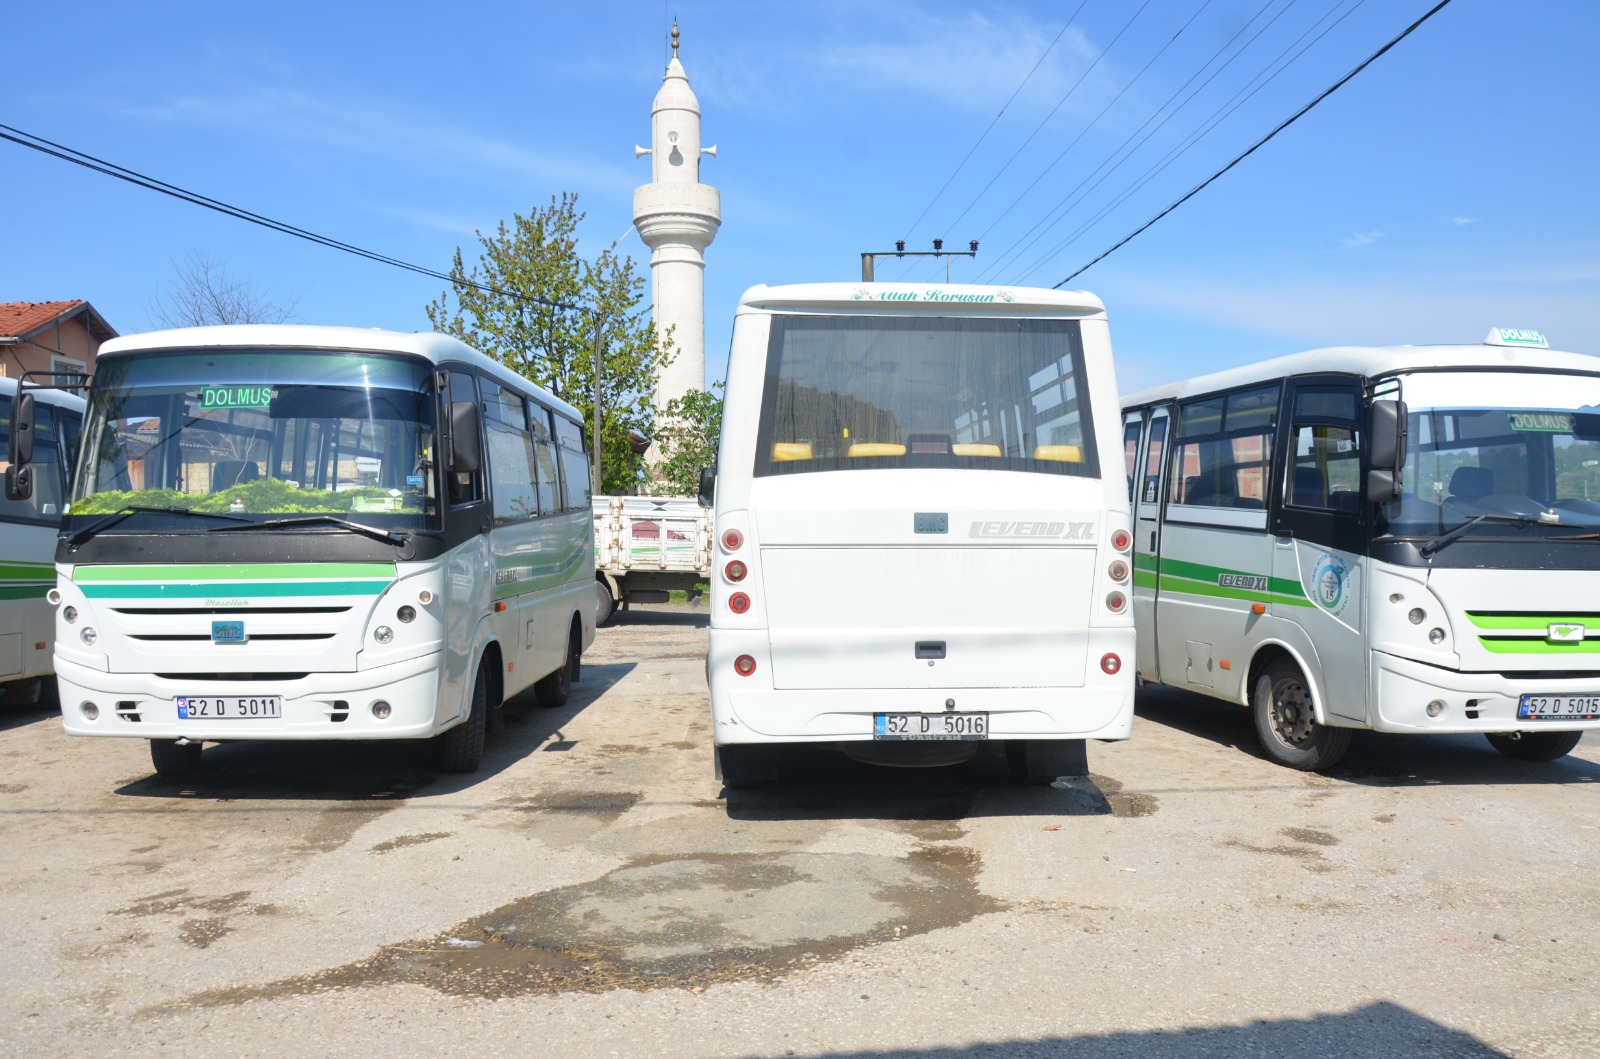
(920, 297)
(427, 344)
(49, 395)
(1370, 362)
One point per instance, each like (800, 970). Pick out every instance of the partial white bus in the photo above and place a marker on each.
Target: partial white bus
(28, 526)
(1404, 539)
(922, 540)
(288, 532)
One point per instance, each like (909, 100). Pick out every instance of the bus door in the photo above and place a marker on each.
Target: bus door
(1318, 523)
(1149, 473)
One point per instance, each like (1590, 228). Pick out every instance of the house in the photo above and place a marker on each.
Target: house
(50, 336)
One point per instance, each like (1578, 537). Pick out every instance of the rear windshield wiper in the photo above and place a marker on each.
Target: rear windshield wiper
(318, 520)
(1461, 530)
(135, 509)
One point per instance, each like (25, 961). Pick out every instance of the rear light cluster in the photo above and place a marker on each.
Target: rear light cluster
(735, 571)
(1116, 599)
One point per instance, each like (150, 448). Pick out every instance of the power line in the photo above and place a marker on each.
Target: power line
(111, 169)
(1440, 6)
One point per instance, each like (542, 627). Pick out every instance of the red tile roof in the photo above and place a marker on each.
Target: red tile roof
(25, 319)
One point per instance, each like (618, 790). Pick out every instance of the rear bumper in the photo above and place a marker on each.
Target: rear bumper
(1402, 689)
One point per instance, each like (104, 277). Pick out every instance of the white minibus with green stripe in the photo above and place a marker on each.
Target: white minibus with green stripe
(28, 526)
(1402, 539)
(291, 532)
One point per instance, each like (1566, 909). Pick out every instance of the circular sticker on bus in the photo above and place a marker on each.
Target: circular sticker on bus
(1330, 584)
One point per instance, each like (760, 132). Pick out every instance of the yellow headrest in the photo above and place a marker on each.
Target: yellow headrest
(1064, 453)
(975, 450)
(876, 448)
(783, 451)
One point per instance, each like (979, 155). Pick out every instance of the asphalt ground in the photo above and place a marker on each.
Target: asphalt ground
(593, 891)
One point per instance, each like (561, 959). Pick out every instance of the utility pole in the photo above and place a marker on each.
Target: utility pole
(596, 488)
(869, 258)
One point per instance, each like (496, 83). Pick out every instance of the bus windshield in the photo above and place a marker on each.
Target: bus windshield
(259, 434)
(1518, 457)
(854, 392)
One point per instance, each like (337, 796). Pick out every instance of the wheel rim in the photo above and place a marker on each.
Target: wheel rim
(1293, 720)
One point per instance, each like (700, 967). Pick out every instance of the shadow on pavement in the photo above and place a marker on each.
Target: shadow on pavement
(1375, 759)
(378, 770)
(684, 615)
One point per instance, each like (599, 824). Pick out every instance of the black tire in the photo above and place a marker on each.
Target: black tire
(605, 604)
(743, 767)
(172, 758)
(1535, 746)
(552, 691)
(1038, 762)
(461, 748)
(1286, 723)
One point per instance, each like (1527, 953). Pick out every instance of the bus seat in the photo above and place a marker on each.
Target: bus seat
(1253, 503)
(1471, 484)
(975, 449)
(1308, 488)
(1063, 453)
(876, 448)
(225, 473)
(783, 451)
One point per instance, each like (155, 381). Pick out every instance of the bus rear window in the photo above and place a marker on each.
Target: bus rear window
(863, 392)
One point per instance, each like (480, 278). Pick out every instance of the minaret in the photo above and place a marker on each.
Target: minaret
(677, 217)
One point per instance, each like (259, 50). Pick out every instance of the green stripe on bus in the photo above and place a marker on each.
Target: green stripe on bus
(236, 589)
(1201, 572)
(27, 571)
(25, 591)
(1530, 622)
(234, 572)
(1539, 647)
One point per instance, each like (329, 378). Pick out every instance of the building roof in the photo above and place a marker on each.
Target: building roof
(20, 321)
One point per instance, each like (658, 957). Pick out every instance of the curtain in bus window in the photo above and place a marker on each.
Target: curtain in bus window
(859, 392)
(574, 464)
(547, 481)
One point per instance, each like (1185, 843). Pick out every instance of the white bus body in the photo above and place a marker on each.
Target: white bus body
(1296, 554)
(28, 543)
(289, 532)
(916, 545)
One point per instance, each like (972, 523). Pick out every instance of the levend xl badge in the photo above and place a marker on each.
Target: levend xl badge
(1064, 531)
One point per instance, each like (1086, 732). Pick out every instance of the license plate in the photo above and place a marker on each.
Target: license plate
(1584, 707)
(930, 726)
(228, 707)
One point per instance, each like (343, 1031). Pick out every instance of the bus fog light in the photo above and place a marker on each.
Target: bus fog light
(1436, 635)
(406, 614)
(53, 597)
(1110, 663)
(89, 710)
(1435, 708)
(88, 635)
(71, 614)
(732, 540)
(381, 710)
(744, 665)
(424, 597)
(738, 602)
(1117, 602)
(383, 634)
(735, 571)
(1417, 616)
(1121, 540)
(1118, 570)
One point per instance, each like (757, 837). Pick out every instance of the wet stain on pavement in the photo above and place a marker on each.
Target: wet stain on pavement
(200, 933)
(410, 840)
(1309, 835)
(685, 922)
(1103, 796)
(12, 788)
(619, 749)
(608, 804)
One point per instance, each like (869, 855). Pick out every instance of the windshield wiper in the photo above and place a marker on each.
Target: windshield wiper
(1461, 530)
(318, 520)
(135, 509)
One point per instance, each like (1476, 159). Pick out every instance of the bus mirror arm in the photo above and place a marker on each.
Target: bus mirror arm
(19, 450)
(708, 487)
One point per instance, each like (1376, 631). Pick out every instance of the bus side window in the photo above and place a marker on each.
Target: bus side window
(574, 464)
(510, 454)
(1130, 452)
(547, 478)
(1326, 451)
(1225, 450)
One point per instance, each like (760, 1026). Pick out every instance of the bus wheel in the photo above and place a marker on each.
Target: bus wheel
(461, 748)
(605, 604)
(743, 767)
(1040, 761)
(172, 758)
(1535, 746)
(553, 690)
(1287, 725)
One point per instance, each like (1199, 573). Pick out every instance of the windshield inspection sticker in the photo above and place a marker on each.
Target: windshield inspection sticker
(1330, 584)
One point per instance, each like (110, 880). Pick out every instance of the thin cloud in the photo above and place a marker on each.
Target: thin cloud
(1462, 222)
(1361, 239)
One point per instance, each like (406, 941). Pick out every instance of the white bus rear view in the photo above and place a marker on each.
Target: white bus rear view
(918, 546)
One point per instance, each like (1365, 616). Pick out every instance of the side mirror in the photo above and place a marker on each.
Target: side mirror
(1387, 435)
(1383, 485)
(19, 483)
(708, 487)
(466, 450)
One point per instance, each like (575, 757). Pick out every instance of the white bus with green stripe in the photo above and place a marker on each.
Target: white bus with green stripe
(287, 532)
(28, 526)
(1402, 539)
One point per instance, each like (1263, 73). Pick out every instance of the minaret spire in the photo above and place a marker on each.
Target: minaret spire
(674, 38)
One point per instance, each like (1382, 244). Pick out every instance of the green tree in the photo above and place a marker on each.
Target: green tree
(535, 263)
(686, 441)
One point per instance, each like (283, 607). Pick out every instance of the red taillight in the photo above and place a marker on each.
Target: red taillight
(738, 602)
(1118, 570)
(732, 540)
(1110, 663)
(1121, 540)
(744, 665)
(735, 571)
(1117, 602)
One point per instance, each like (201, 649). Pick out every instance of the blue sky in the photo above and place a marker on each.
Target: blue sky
(1447, 189)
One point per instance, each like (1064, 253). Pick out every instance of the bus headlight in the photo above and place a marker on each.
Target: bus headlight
(1436, 635)
(406, 614)
(53, 597)
(1417, 616)
(383, 634)
(88, 635)
(70, 613)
